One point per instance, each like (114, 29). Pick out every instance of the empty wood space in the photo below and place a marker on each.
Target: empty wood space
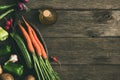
(76, 4)
(85, 38)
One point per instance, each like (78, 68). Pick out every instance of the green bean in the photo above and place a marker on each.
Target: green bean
(3, 7)
(6, 13)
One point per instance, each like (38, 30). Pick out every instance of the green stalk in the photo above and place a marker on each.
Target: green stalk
(35, 66)
(39, 66)
(44, 72)
(6, 13)
(50, 72)
(44, 68)
(51, 69)
(3, 7)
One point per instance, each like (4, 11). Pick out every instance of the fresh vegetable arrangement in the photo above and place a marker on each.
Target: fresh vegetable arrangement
(40, 58)
(11, 8)
(25, 50)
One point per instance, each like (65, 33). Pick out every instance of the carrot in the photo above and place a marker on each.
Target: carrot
(44, 55)
(38, 51)
(31, 49)
(33, 34)
(28, 40)
(35, 44)
(47, 71)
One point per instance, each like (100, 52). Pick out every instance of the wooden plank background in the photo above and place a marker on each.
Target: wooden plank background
(85, 38)
(77, 4)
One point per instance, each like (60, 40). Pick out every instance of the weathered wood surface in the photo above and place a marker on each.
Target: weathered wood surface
(80, 24)
(71, 4)
(89, 72)
(85, 37)
(76, 4)
(85, 50)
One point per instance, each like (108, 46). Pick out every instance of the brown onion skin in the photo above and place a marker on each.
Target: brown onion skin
(30, 77)
(6, 76)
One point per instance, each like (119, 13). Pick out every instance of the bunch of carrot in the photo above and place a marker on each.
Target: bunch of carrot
(42, 65)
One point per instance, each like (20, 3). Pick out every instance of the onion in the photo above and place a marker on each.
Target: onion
(20, 6)
(25, 1)
(30, 77)
(6, 76)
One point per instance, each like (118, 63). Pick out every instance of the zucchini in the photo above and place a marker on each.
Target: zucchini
(23, 49)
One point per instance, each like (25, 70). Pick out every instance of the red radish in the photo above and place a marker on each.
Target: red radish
(54, 59)
(7, 27)
(8, 23)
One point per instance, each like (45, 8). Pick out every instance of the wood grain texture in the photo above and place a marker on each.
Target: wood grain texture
(76, 4)
(80, 24)
(89, 72)
(71, 4)
(69, 39)
(85, 50)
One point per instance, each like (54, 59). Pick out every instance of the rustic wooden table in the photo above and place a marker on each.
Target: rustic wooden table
(85, 38)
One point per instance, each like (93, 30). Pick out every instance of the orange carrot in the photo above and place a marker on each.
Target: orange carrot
(42, 66)
(35, 44)
(28, 40)
(30, 29)
(44, 55)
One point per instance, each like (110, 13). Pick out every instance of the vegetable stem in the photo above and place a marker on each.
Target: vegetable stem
(44, 68)
(39, 67)
(6, 13)
(3, 7)
(41, 61)
(35, 66)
